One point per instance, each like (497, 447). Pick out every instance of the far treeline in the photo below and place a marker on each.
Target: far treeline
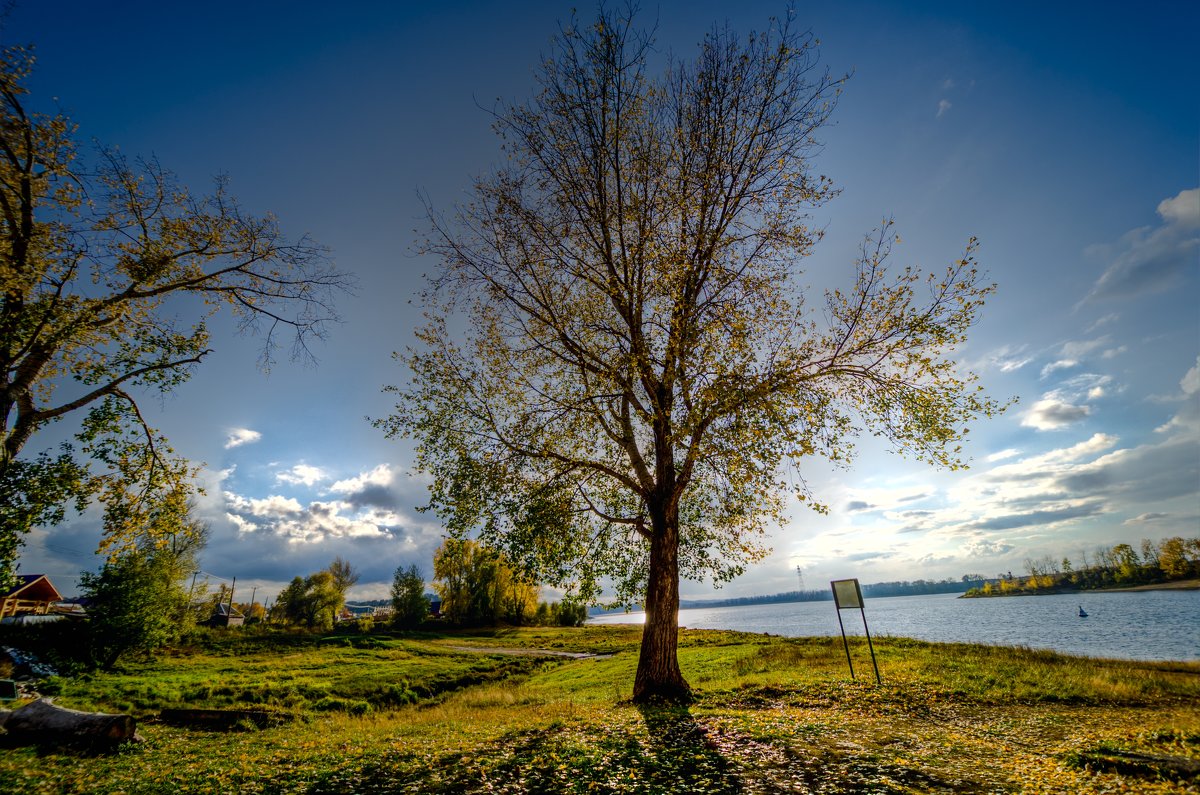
(475, 586)
(1120, 566)
(874, 590)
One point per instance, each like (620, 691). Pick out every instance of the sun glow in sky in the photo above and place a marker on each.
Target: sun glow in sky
(1064, 136)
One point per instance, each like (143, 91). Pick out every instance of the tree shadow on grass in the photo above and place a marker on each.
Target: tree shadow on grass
(675, 754)
(685, 758)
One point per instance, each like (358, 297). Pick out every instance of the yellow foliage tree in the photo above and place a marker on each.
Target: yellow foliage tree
(620, 375)
(95, 254)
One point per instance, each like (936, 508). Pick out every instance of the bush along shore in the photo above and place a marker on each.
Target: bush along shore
(548, 710)
(1171, 563)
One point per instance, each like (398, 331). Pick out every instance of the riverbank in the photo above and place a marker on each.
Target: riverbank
(1173, 585)
(1177, 585)
(458, 713)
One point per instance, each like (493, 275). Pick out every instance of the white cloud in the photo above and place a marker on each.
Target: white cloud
(1183, 209)
(1190, 383)
(240, 436)
(943, 106)
(1061, 364)
(382, 475)
(301, 474)
(1016, 471)
(1151, 259)
(1188, 416)
(1078, 348)
(1003, 454)
(1008, 359)
(271, 507)
(243, 525)
(1051, 413)
(1111, 317)
(1147, 518)
(986, 548)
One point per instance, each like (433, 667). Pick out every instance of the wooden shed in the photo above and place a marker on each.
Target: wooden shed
(33, 594)
(226, 616)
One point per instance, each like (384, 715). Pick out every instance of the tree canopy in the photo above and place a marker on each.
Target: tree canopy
(479, 586)
(315, 601)
(622, 374)
(137, 602)
(100, 258)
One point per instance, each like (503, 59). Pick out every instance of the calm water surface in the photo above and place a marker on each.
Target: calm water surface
(1137, 625)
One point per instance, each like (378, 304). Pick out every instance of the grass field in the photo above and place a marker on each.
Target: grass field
(451, 713)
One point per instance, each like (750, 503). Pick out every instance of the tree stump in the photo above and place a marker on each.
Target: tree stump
(41, 722)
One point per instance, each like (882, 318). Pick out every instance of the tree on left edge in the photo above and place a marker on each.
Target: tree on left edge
(95, 254)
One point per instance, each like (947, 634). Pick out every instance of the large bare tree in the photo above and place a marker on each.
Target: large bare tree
(619, 378)
(100, 258)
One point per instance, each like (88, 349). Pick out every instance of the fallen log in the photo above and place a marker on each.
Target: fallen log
(41, 722)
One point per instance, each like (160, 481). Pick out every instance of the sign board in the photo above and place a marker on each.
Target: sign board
(847, 594)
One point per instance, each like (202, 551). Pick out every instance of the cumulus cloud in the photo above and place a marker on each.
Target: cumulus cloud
(376, 487)
(381, 475)
(274, 506)
(1183, 209)
(301, 475)
(286, 518)
(1151, 259)
(1190, 383)
(980, 548)
(243, 525)
(1051, 413)
(240, 436)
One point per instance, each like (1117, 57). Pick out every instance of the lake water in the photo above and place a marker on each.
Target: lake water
(1131, 625)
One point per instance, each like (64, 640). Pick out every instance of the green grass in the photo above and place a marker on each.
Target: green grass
(416, 713)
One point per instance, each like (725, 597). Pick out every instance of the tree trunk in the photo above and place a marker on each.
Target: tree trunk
(41, 722)
(658, 675)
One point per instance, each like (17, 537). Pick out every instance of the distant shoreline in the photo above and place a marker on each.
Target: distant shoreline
(1173, 585)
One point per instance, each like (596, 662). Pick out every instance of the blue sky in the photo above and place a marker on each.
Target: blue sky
(1064, 136)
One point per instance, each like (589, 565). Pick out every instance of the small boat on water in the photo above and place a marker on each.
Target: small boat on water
(1082, 612)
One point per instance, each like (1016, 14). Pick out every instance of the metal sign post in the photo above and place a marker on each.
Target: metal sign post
(847, 595)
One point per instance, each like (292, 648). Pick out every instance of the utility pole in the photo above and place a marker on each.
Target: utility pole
(231, 587)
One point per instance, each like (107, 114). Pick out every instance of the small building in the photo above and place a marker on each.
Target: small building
(32, 595)
(226, 616)
(350, 612)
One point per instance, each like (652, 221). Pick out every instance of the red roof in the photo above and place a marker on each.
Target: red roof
(34, 588)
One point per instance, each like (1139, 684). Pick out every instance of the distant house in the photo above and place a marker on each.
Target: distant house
(226, 616)
(32, 595)
(349, 612)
